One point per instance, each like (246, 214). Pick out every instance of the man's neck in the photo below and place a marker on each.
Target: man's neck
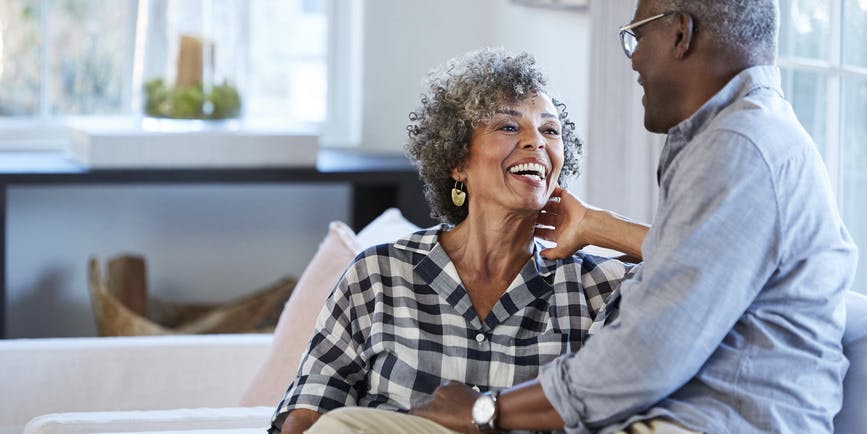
(705, 78)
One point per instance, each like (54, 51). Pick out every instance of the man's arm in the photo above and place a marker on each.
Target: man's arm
(572, 225)
(712, 249)
(523, 407)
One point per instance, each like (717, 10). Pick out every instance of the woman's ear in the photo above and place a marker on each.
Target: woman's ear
(458, 175)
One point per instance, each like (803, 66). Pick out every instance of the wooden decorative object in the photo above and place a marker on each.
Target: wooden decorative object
(127, 282)
(192, 55)
(257, 312)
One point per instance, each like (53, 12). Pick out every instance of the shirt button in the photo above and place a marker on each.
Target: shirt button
(480, 337)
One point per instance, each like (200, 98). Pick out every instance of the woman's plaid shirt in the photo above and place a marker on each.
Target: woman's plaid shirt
(399, 324)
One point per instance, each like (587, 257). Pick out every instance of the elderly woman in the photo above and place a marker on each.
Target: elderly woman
(472, 300)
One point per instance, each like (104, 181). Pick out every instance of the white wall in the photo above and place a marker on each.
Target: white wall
(211, 243)
(404, 39)
(622, 156)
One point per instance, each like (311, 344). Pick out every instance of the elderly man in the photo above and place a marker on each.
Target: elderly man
(733, 323)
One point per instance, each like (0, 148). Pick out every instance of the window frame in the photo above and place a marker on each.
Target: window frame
(835, 71)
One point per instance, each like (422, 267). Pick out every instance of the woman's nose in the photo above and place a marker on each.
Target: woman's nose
(533, 140)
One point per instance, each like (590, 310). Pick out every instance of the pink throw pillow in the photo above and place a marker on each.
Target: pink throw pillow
(295, 326)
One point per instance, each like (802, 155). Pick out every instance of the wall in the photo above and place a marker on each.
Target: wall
(623, 155)
(213, 243)
(404, 39)
(202, 243)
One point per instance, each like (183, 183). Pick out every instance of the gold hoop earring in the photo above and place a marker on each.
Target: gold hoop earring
(459, 196)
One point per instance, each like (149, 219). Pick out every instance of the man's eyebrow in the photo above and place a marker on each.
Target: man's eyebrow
(550, 115)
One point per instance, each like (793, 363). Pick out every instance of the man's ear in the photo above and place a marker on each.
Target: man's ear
(685, 33)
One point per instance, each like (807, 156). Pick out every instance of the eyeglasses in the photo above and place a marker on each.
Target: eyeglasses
(627, 37)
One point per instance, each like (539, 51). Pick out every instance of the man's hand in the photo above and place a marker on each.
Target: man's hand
(576, 225)
(566, 214)
(451, 406)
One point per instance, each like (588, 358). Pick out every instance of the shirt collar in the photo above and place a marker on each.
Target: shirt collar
(424, 242)
(739, 87)
(435, 266)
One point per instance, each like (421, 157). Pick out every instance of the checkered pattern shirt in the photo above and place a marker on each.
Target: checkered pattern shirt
(400, 323)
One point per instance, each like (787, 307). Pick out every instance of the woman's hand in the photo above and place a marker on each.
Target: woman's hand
(567, 215)
(450, 406)
(299, 420)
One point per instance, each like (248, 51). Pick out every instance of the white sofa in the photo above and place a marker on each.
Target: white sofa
(179, 383)
(231, 383)
(122, 384)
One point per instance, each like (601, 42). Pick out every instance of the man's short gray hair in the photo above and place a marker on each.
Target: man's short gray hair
(749, 27)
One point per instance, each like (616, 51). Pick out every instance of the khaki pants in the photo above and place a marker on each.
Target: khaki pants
(363, 420)
(655, 426)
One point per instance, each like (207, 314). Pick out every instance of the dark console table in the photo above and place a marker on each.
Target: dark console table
(377, 182)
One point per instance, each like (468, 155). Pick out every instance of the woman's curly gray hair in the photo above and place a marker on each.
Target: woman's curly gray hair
(461, 94)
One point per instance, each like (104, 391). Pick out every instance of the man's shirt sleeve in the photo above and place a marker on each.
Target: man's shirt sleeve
(705, 259)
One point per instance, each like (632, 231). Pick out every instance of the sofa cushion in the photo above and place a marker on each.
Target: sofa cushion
(41, 376)
(853, 416)
(233, 420)
(295, 327)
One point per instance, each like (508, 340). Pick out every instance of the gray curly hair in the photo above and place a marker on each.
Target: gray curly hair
(748, 26)
(461, 94)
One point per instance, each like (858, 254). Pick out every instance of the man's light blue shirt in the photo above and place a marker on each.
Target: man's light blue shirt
(733, 322)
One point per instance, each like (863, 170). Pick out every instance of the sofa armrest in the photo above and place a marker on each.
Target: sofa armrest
(852, 417)
(234, 420)
(124, 373)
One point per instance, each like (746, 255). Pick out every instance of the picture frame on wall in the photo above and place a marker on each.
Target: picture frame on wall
(555, 4)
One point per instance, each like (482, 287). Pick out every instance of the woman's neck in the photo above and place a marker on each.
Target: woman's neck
(490, 244)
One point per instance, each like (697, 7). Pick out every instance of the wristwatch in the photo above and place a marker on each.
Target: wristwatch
(485, 411)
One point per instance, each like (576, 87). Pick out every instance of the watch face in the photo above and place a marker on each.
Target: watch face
(483, 409)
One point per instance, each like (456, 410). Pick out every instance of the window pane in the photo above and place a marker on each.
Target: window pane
(806, 91)
(20, 68)
(804, 28)
(90, 54)
(854, 168)
(288, 70)
(855, 33)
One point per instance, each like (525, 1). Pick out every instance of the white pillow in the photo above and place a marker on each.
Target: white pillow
(387, 228)
(295, 326)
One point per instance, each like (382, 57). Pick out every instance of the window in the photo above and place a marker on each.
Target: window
(63, 58)
(824, 64)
